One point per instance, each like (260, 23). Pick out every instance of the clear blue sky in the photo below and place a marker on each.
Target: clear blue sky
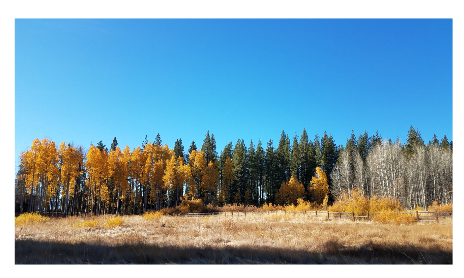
(83, 81)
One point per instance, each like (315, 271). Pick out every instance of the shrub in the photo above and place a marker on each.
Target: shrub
(386, 216)
(152, 215)
(191, 206)
(113, 222)
(301, 206)
(30, 218)
(440, 207)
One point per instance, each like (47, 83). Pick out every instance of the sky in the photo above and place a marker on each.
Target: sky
(85, 80)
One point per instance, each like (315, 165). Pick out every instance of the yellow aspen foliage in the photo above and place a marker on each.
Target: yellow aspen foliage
(290, 192)
(97, 167)
(42, 174)
(440, 207)
(169, 177)
(197, 164)
(227, 179)
(319, 187)
(70, 158)
(210, 181)
(118, 170)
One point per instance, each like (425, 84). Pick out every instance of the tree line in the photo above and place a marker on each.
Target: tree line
(71, 180)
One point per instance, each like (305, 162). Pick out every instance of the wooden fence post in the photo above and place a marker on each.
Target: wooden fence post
(436, 215)
(417, 216)
(328, 215)
(353, 216)
(368, 215)
(340, 214)
(316, 212)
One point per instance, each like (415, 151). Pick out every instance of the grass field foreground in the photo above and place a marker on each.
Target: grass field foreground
(257, 238)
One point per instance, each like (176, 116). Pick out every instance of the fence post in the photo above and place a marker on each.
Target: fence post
(328, 215)
(316, 212)
(368, 215)
(417, 216)
(353, 216)
(436, 215)
(340, 215)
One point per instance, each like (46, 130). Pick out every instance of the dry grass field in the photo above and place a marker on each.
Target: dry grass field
(256, 239)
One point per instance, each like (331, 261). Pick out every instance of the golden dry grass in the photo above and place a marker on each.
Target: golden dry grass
(256, 238)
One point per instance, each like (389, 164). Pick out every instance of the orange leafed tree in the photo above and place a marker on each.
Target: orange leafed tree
(319, 188)
(97, 167)
(290, 192)
(42, 174)
(210, 182)
(70, 158)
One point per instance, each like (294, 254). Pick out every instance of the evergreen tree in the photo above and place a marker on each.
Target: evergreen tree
(101, 146)
(270, 176)
(305, 175)
(414, 140)
(114, 144)
(364, 145)
(144, 143)
(179, 149)
(295, 158)
(283, 158)
(209, 148)
(376, 139)
(253, 174)
(157, 141)
(329, 155)
(192, 147)
(259, 164)
(444, 143)
(434, 142)
(318, 153)
(240, 169)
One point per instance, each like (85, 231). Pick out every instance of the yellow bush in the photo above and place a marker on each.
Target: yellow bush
(113, 222)
(301, 206)
(152, 215)
(191, 206)
(384, 203)
(30, 218)
(386, 216)
(354, 202)
(87, 224)
(268, 207)
(440, 207)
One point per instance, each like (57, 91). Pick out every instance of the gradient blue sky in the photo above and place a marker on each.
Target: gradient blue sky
(86, 80)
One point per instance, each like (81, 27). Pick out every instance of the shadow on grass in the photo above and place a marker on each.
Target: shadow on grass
(37, 252)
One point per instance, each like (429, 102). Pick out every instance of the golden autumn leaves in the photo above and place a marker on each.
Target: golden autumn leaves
(293, 190)
(151, 176)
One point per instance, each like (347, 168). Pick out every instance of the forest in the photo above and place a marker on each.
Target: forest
(73, 181)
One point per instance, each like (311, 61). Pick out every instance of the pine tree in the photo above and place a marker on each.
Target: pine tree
(209, 148)
(157, 141)
(240, 168)
(259, 164)
(114, 144)
(295, 158)
(270, 176)
(414, 140)
(179, 149)
(192, 147)
(283, 158)
(329, 156)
